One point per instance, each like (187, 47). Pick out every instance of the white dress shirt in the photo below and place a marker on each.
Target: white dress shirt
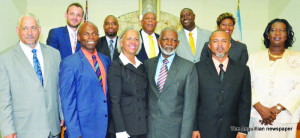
(187, 34)
(146, 42)
(276, 82)
(126, 61)
(27, 51)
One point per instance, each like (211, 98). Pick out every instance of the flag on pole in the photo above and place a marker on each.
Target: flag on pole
(86, 12)
(238, 25)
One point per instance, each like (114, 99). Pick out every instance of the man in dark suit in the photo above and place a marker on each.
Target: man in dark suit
(83, 87)
(148, 40)
(107, 45)
(172, 91)
(64, 39)
(224, 100)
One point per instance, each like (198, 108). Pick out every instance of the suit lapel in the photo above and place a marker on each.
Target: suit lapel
(152, 74)
(21, 57)
(46, 58)
(87, 65)
(212, 69)
(143, 51)
(185, 41)
(199, 45)
(67, 40)
(132, 68)
(230, 72)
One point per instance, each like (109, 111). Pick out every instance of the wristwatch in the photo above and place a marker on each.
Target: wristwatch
(278, 107)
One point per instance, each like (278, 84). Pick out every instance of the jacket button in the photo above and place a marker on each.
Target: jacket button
(140, 118)
(139, 109)
(105, 115)
(104, 101)
(137, 81)
(138, 99)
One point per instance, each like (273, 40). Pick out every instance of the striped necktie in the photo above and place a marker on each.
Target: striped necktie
(36, 66)
(111, 49)
(192, 44)
(162, 75)
(97, 69)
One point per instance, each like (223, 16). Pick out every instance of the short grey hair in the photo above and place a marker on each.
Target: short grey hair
(168, 29)
(28, 15)
(120, 39)
(218, 31)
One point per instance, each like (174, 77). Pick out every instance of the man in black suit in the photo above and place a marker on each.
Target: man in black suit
(148, 40)
(107, 44)
(224, 100)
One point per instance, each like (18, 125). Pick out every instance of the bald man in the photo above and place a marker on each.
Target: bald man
(83, 87)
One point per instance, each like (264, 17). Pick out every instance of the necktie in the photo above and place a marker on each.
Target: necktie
(163, 73)
(97, 69)
(36, 66)
(222, 72)
(111, 49)
(191, 39)
(74, 42)
(151, 46)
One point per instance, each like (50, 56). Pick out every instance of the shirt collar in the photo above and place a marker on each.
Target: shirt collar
(194, 31)
(26, 48)
(71, 31)
(108, 39)
(217, 63)
(170, 58)
(126, 61)
(146, 35)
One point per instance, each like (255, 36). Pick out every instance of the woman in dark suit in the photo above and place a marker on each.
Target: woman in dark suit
(238, 50)
(127, 83)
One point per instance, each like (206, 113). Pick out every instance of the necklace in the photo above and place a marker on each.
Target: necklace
(275, 56)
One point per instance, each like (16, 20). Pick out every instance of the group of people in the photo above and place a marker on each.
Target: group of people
(194, 83)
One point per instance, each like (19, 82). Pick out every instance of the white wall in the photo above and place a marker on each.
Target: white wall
(255, 15)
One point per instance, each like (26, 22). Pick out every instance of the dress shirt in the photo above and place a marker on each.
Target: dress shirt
(108, 41)
(187, 34)
(160, 63)
(27, 51)
(126, 61)
(88, 56)
(217, 63)
(72, 41)
(146, 42)
(274, 82)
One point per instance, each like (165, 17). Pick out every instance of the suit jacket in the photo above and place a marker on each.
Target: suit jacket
(172, 112)
(59, 38)
(103, 48)
(27, 107)
(84, 104)
(127, 93)
(223, 104)
(184, 49)
(142, 56)
(238, 52)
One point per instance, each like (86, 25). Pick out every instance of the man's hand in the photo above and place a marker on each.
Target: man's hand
(196, 134)
(265, 113)
(240, 135)
(13, 135)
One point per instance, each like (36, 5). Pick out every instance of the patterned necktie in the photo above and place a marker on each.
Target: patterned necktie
(36, 66)
(222, 72)
(74, 38)
(111, 49)
(97, 69)
(162, 75)
(152, 48)
(191, 39)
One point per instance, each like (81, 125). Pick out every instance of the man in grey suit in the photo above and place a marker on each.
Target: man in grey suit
(172, 91)
(192, 38)
(224, 101)
(29, 100)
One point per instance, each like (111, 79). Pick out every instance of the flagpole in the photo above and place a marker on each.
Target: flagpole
(86, 12)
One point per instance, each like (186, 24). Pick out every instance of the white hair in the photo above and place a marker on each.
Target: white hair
(120, 39)
(29, 15)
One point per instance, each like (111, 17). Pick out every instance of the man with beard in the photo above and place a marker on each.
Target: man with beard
(29, 99)
(64, 39)
(224, 100)
(172, 91)
(83, 87)
(107, 44)
(148, 37)
(192, 38)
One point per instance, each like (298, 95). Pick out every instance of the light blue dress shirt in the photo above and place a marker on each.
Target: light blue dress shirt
(160, 63)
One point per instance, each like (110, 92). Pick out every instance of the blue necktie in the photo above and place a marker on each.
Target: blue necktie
(36, 66)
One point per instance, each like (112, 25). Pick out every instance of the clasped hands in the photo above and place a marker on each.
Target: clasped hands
(268, 115)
